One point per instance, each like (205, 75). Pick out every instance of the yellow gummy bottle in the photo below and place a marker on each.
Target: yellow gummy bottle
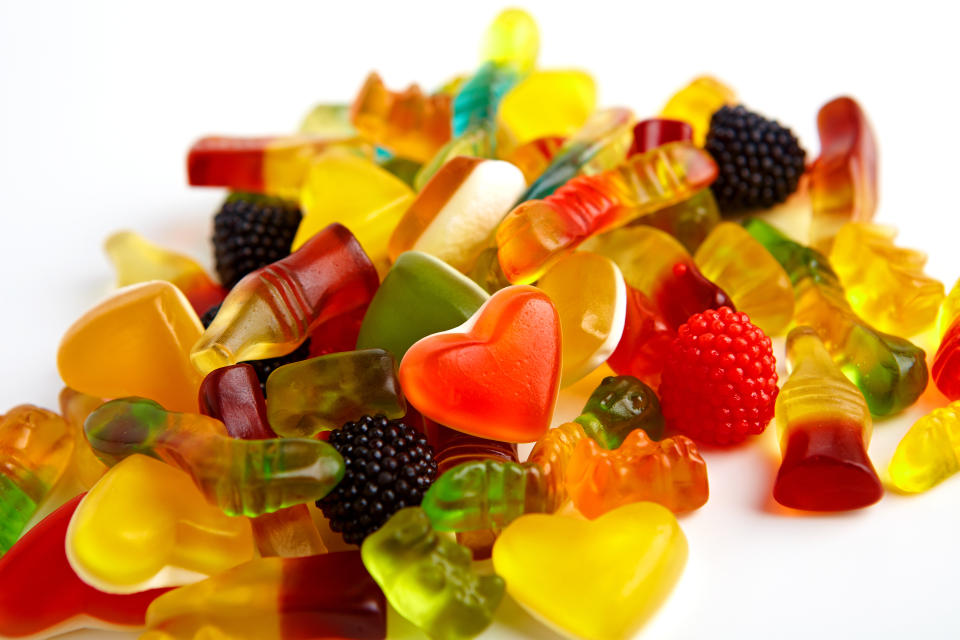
(930, 451)
(599, 579)
(146, 525)
(357, 193)
(592, 313)
(697, 102)
(731, 258)
(135, 343)
(571, 94)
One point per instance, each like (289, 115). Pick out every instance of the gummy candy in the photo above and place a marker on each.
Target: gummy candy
(136, 342)
(824, 427)
(136, 260)
(619, 406)
(570, 94)
(627, 562)
(843, 179)
(85, 468)
(146, 525)
(487, 273)
(538, 232)
(946, 363)
(929, 452)
(890, 372)
(428, 579)
(232, 395)
(329, 121)
(455, 214)
(272, 310)
(320, 596)
(689, 221)
(591, 314)
(349, 189)
(697, 102)
(670, 472)
(599, 144)
(533, 158)
(407, 122)
(248, 477)
(476, 103)
(949, 309)
(884, 283)
(652, 133)
(646, 338)
(512, 39)
(660, 268)
(322, 393)
(755, 281)
(495, 376)
(35, 449)
(275, 165)
(42, 593)
(444, 299)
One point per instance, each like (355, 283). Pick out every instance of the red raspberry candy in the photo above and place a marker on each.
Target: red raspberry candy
(719, 381)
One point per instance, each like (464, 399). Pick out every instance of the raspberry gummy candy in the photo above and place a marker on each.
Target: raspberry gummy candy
(719, 382)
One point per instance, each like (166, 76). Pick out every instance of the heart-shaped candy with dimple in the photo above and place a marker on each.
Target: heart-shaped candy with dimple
(495, 376)
(599, 579)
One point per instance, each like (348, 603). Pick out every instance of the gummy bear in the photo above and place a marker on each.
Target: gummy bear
(242, 477)
(428, 578)
(824, 428)
(322, 393)
(619, 406)
(146, 525)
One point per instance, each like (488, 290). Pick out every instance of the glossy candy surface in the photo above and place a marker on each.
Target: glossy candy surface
(697, 102)
(242, 477)
(946, 363)
(322, 393)
(843, 178)
(444, 299)
(929, 452)
(458, 210)
(890, 372)
(652, 133)
(513, 39)
(538, 232)
(428, 579)
(36, 446)
(320, 596)
(754, 280)
(274, 309)
(146, 525)
(884, 283)
(669, 472)
(646, 338)
(135, 259)
(233, 396)
(532, 158)
(274, 165)
(949, 309)
(85, 467)
(105, 351)
(43, 595)
(824, 427)
(407, 122)
(689, 221)
(330, 120)
(591, 314)
(571, 94)
(514, 340)
(619, 406)
(627, 563)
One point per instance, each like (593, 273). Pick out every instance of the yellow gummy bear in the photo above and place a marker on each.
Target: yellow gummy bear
(356, 192)
(135, 343)
(571, 94)
(697, 102)
(599, 579)
(146, 525)
(592, 313)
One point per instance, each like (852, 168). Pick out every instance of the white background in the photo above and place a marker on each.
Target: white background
(99, 102)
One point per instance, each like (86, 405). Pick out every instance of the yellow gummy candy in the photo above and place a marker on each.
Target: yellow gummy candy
(512, 39)
(572, 96)
(697, 102)
(929, 452)
(949, 309)
(146, 525)
(599, 579)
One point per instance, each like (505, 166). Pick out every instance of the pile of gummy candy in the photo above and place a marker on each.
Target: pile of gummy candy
(405, 285)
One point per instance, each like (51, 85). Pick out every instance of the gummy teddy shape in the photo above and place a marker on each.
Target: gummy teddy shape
(497, 375)
(428, 579)
(146, 525)
(600, 579)
(618, 406)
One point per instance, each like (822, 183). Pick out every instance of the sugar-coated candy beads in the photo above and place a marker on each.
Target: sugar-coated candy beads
(428, 579)
(627, 562)
(146, 525)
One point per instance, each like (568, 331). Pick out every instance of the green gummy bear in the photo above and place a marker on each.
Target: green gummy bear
(420, 295)
(428, 578)
(618, 406)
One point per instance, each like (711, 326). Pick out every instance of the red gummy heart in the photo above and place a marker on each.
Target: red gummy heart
(495, 376)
